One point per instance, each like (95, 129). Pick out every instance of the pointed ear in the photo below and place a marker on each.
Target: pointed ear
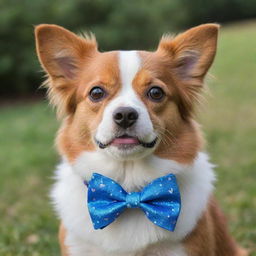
(193, 51)
(190, 55)
(62, 55)
(61, 51)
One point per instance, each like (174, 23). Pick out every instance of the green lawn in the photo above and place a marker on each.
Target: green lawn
(27, 158)
(28, 226)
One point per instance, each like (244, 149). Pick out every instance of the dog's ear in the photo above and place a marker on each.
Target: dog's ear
(62, 55)
(61, 51)
(191, 55)
(193, 51)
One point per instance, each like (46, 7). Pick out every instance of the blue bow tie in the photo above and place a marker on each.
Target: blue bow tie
(160, 201)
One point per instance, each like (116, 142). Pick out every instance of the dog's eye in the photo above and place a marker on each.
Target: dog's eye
(97, 93)
(155, 93)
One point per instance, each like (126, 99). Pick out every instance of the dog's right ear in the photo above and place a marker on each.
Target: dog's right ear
(62, 55)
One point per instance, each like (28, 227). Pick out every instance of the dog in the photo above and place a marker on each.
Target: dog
(129, 116)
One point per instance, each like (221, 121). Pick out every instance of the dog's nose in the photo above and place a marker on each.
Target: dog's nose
(125, 116)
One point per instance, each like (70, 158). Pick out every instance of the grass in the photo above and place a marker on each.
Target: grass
(27, 158)
(229, 122)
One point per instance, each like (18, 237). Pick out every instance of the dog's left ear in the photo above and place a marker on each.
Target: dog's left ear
(190, 56)
(193, 51)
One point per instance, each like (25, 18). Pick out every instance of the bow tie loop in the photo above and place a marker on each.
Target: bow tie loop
(133, 200)
(159, 200)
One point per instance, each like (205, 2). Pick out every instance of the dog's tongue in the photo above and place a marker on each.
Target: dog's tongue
(125, 140)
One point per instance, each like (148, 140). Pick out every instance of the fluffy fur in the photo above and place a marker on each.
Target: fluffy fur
(178, 67)
(69, 193)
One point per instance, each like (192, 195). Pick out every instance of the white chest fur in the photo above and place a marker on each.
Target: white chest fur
(132, 233)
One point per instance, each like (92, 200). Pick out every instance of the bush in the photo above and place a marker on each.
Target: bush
(117, 24)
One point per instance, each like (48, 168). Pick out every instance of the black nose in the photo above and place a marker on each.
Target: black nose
(125, 116)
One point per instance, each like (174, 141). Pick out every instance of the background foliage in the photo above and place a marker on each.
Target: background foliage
(117, 24)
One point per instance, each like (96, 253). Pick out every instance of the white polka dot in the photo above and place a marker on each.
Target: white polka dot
(170, 190)
(102, 185)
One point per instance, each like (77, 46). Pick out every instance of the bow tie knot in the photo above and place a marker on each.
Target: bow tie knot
(159, 200)
(133, 200)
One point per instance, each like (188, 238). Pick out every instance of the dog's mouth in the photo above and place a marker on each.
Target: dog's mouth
(126, 141)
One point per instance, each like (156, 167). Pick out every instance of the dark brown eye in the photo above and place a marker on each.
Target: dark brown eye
(97, 93)
(155, 93)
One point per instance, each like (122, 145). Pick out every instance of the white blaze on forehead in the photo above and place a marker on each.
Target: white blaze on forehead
(129, 65)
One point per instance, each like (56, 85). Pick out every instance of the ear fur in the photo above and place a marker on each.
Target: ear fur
(191, 55)
(62, 54)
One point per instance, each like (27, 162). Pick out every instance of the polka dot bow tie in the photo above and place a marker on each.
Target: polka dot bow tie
(159, 200)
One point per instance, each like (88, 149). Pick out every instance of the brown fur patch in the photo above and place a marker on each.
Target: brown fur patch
(78, 130)
(82, 67)
(190, 56)
(211, 237)
(63, 56)
(62, 237)
(180, 138)
(178, 67)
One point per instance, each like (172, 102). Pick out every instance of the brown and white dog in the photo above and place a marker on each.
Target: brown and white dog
(115, 106)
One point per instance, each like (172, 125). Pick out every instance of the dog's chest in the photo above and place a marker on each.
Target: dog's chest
(158, 250)
(132, 233)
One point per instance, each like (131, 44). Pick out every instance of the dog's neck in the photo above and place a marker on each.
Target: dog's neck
(131, 174)
(195, 180)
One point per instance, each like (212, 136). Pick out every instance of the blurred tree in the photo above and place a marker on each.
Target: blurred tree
(117, 24)
(200, 11)
(139, 24)
(18, 63)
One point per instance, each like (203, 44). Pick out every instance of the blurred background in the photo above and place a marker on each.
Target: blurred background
(28, 125)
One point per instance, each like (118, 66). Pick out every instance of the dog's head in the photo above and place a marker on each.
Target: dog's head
(127, 104)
